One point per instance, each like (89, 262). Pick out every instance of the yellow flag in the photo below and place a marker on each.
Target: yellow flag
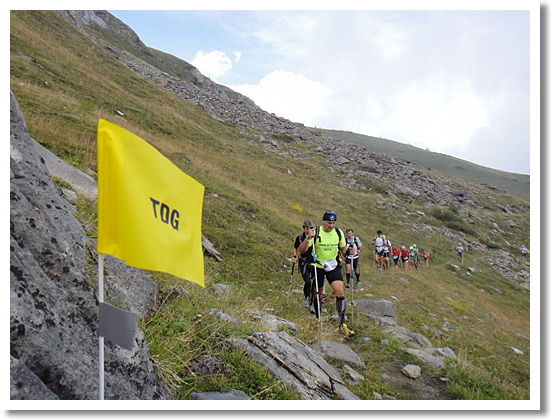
(149, 211)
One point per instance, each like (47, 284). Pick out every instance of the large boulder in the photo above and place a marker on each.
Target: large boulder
(53, 305)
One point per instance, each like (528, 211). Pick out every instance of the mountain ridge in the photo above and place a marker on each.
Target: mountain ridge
(515, 183)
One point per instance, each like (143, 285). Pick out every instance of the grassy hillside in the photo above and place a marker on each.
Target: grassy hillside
(254, 204)
(515, 184)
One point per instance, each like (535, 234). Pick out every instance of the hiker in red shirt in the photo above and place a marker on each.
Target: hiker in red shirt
(396, 252)
(405, 254)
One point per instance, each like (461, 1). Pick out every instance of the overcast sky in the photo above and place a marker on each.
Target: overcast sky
(455, 82)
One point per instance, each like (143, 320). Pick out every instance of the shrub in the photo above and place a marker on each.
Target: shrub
(445, 215)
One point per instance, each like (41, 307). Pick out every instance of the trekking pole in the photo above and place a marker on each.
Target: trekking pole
(352, 291)
(317, 297)
(290, 285)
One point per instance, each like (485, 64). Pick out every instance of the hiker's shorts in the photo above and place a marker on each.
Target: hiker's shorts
(334, 275)
(349, 261)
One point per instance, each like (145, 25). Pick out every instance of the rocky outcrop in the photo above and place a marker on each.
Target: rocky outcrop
(53, 305)
(295, 364)
(507, 267)
(417, 345)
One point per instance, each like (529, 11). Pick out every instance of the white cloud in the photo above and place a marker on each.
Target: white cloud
(214, 64)
(288, 95)
(435, 79)
(438, 115)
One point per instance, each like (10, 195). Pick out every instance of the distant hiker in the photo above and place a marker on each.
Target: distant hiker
(426, 256)
(352, 256)
(404, 257)
(396, 252)
(327, 241)
(303, 261)
(414, 256)
(386, 251)
(523, 251)
(460, 253)
(378, 249)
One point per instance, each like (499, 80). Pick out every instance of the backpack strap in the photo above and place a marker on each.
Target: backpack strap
(338, 231)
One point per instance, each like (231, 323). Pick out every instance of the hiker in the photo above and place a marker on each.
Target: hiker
(460, 253)
(327, 240)
(386, 251)
(352, 257)
(426, 256)
(414, 256)
(303, 261)
(523, 251)
(378, 249)
(404, 257)
(396, 252)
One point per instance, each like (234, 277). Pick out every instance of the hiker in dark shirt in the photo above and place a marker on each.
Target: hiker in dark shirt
(303, 261)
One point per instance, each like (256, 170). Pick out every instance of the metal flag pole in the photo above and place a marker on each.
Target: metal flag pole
(101, 338)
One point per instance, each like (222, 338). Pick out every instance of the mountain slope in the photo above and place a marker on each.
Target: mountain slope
(515, 184)
(264, 175)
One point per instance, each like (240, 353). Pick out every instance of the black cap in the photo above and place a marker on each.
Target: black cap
(329, 216)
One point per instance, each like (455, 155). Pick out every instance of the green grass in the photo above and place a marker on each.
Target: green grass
(253, 209)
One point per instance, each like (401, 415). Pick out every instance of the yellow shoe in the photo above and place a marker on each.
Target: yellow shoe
(346, 331)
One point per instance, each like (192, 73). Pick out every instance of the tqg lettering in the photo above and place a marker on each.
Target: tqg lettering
(166, 215)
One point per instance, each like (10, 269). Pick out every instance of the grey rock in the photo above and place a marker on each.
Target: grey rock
(221, 289)
(25, 385)
(433, 361)
(224, 317)
(447, 352)
(511, 223)
(338, 352)
(380, 311)
(412, 371)
(82, 183)
(231, 395)
(355, 377)
(70, 195)
(210, 250)
(381, 308)
(273, 323)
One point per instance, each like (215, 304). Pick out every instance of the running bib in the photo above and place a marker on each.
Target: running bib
(329, 265)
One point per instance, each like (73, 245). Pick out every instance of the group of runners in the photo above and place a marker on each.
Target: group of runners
(321, 251)
(384, 250)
